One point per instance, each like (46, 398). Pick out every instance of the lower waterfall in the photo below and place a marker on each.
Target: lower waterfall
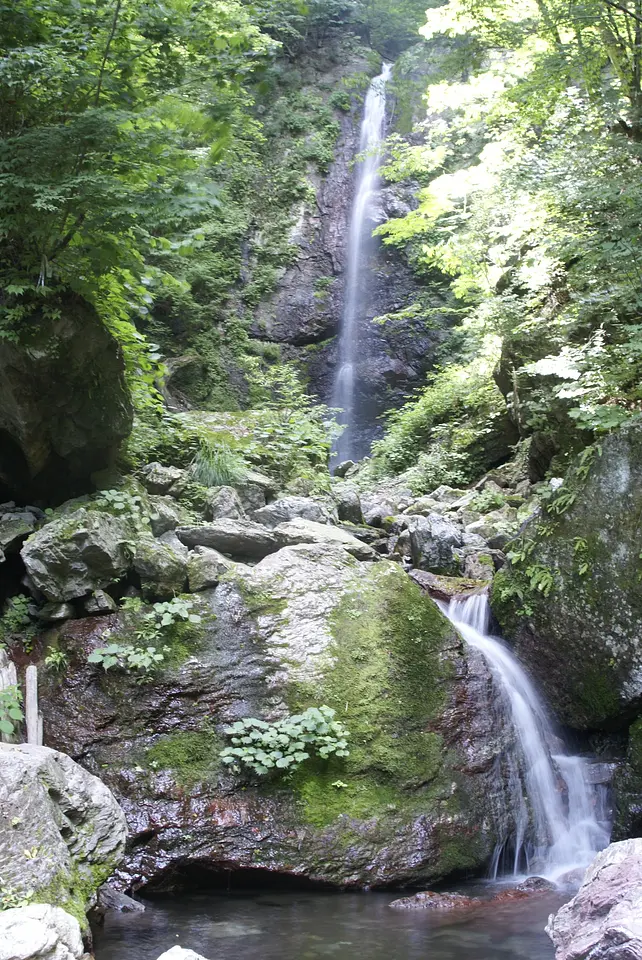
(560, 817)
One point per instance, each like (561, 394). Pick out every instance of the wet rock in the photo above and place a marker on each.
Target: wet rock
(224, 502)
(159, 479)
(432, 539)
(348, 503)
(627, 788)
(166, 515)
(162, 571)
(112, 899)
(236, 538)
(603, 921)
(205, 567)
(291, 632)
(427, 900)
(98, 603)
(51, 804)
(64, 403)
(581, 640)
(289, 508)
(39, 932)
(305, 531)
(479, 566)
(180, 953)
(446, 588)
(536, 885)
(77, 554)
(15, 527)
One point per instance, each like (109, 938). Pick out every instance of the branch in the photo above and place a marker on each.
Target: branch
(618, 6)
(112, 34)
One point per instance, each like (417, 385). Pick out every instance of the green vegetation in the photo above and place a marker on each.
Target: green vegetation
(10, 709)
(191, 755)
(216, 466)
(285, 744)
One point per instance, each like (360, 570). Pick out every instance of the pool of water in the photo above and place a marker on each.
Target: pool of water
(311, 925)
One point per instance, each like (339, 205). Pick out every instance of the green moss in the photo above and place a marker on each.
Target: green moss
(596, 693)
(385, 680)
(74, 890)
(191, 755)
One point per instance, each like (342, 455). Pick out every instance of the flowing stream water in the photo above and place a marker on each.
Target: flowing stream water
(361, 220)
(560, 817)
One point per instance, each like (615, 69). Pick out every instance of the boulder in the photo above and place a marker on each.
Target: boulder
(77, 554)
(15, 527)
(421, 794)
(305, 531)
(162, 571)
(39, 932)
(603, 921)
(55, 612)
(289, 508)
(64, 403)
(348, 503)
(479, 566)
(159, 479)
(428, 900)
(224, 502)
(111, 899)
(180, 953)
(236, 538)
(205, 567)
(67, 820)
(98, 603)
(432, 539)
(577, 627)
(166, 515)
(344, 467)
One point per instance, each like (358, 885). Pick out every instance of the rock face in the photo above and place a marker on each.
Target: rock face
(582, 641)
(64, 405)
(418, 797)
(604, 920)
(39, 932)
(65, 819)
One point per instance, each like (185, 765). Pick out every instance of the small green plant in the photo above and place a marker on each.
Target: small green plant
(218, 466)
(15, 622)
(11, 897)
(121, 503)
(284, 745)
(148, 652)
(56, 660)
(10, 709)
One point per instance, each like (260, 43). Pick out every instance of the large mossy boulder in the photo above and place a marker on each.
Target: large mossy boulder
(418, 798)
(64, 404)
(61, 831)
(572, 605)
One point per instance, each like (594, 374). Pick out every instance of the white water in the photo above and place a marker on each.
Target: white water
(372, 131)
(559, 821)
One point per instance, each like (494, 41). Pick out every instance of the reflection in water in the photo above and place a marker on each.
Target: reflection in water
(307, 926)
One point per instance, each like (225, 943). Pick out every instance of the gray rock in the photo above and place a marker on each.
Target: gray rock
(39, 932)
(236, 538)
(305, 531)
(432, 539)
(425, 505)
(603, 921)
(224, 502)
(15, 528)
(171, 540)
(166, 515)
(55, 612)
(377, 506)
(342, 468)
(64, 403)
(162, 571)
(53, 806)
(479, 566)
(111, 899)
(159, 479)
(288, 508)
(180, 953)
(77, 554)
(446, 494)
(348, 503)
(98, 603)
(205, 567)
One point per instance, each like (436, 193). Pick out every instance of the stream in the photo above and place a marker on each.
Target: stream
(310, 925)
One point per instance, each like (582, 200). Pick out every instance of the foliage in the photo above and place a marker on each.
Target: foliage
(10, 709)
(15, 620)
(218, 465)
(56, 661)
(12, 897)
(121, 503)
(284, 745)
(150, 630)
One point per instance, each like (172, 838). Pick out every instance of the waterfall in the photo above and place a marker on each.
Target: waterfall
(560, 819)
(372, 131)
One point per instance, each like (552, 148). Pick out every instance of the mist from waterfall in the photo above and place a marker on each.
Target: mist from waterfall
(560, 818)
(361, 224)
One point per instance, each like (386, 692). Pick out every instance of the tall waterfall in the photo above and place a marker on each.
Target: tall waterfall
(372, 131)
(560, 819)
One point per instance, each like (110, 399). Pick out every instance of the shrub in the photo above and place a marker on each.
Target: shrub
(284, 745)
(217, 466)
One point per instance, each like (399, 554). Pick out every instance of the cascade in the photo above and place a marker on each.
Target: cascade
(560, 818)
(360, 233)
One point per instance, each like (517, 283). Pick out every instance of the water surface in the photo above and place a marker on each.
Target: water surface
(311, 925)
